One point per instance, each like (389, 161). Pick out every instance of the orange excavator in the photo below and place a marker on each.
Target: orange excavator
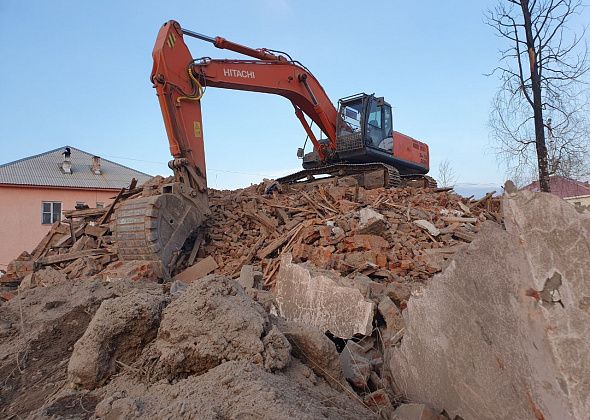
(359, 137)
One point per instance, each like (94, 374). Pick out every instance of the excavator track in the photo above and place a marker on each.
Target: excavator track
(154, 228)
(392, 180)
(419, 181)
(430, 182)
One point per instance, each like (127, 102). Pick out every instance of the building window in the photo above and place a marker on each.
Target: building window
(50, 212)
(99, 205)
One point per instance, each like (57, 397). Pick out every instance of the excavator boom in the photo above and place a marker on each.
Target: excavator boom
(179, 80)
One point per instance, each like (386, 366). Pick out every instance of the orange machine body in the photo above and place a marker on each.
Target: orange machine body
(410, 150)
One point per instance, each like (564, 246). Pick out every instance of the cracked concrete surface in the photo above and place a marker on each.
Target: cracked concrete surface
(503, 332)
(312, 298)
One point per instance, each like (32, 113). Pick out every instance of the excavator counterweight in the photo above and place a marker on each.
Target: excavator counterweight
(358, 137)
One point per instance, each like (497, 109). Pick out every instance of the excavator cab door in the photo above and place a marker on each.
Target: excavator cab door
(364, 121)
(379, 127)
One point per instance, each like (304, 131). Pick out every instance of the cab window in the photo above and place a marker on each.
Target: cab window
(375, 115)
(350, 118)
(387, 121)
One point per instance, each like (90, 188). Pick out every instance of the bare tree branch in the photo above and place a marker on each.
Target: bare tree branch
(446, 174)
(539, 116)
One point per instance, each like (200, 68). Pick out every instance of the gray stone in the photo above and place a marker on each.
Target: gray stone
(177, 287)
(246, 278)
(277, 350)
(313, 348)
(49, 277)
(315, 299)
(392, 316)
(427, 226)
(356, 367)
(28, 282)
(371, 222)
(498, 335)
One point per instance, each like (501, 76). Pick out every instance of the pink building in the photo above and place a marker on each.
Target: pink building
(575, 192)
(35, 191)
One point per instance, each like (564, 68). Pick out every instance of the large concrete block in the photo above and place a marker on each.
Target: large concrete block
(315, 299)
(503, 332)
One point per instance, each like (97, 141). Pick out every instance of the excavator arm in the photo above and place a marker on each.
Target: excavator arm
(180, 81)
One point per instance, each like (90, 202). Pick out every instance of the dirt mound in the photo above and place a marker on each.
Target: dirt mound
(40, 327)
(216, 351)
(236, 390)
(214, 321)
(118, 332)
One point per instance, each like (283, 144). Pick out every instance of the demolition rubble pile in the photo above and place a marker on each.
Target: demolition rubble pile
(387, 234)
(86, 334)
(324, 300)
(391, 235)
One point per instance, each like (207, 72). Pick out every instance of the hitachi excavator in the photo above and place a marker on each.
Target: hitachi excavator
(359, 137)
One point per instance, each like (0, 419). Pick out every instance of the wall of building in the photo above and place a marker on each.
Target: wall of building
(583, 200)
(21, 214)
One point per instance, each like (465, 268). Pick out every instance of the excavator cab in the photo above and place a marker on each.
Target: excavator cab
(365, 139)
(364, 134)
(364, 120)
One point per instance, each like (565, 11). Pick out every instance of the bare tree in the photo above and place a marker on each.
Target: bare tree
(446, 174)
(542, 94)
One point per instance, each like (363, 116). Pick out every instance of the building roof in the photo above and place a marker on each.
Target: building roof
(563, 187)
(45, 170)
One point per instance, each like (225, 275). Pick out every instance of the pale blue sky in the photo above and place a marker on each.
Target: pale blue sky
(77, 72)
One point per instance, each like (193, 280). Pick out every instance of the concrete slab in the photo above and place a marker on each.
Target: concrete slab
(318, 300)
(503, 332)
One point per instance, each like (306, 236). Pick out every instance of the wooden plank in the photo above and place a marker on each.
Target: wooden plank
(196, 246)
(263, 219)
(283, 215)
(132, 192)
(447, 250)
(42, 246)
(96, 231)
(54, 259)
(453, 219)
(450, 229)
(464, 236)
(294, 209)
(108, 213)
(254, 249)
(277, 243)
(72, 233)
(84, 213)
(274, 245)
(442, 189)
(483, 199)
(66, 239)
(197, 271)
